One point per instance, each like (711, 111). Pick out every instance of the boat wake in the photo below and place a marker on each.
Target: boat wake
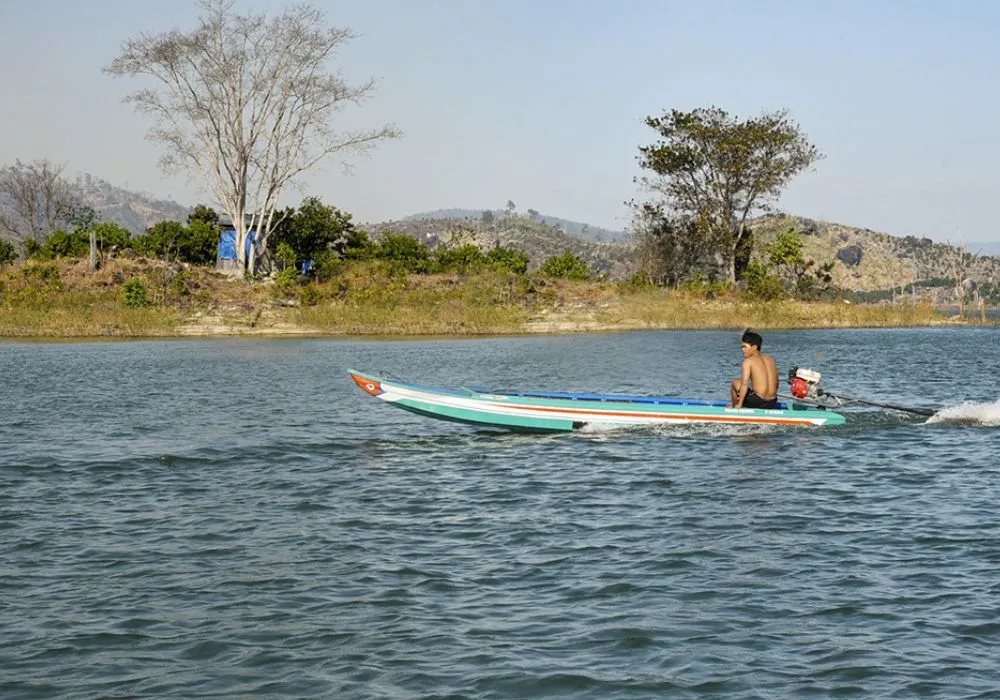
(681, 430)
(973, 414)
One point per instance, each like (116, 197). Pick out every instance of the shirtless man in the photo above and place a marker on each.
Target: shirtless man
(758, 387)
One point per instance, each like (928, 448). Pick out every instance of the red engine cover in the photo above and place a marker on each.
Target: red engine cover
(800, 387)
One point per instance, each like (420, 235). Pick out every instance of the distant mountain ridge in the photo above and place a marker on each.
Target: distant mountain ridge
(133, 210)
(573, 228)
(538, 240)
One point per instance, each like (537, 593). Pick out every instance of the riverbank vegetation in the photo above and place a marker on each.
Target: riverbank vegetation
(140, 297)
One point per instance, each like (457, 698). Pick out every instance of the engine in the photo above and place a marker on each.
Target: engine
(804, 383)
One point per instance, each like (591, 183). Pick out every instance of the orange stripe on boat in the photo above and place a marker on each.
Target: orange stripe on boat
(369, 386)
(727, 418)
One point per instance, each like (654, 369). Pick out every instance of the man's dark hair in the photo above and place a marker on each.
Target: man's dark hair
(752, 338)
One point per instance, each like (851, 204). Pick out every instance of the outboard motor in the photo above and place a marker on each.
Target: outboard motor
(804, 383)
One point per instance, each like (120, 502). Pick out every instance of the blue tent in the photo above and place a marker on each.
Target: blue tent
(227, 243)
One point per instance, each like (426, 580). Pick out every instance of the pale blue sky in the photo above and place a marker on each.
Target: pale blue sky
(542, 102)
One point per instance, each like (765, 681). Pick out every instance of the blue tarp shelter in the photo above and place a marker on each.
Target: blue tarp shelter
(227, 243)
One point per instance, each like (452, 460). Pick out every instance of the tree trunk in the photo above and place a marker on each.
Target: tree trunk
(93, 251)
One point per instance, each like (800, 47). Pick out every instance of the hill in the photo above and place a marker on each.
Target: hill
(863, 260)
(135, 211)
(870, 261)
(573, 228)
(538, 240)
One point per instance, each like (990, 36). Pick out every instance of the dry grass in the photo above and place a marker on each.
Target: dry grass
(64, 299)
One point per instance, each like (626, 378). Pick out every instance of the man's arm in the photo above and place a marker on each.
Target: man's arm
(744, 384)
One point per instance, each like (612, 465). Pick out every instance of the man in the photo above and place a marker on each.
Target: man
(758, 387)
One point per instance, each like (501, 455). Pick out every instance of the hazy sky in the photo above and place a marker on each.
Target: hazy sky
(542, 101)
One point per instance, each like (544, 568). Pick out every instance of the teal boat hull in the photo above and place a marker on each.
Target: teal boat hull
(564, 412)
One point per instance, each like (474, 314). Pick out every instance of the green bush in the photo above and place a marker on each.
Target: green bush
(404, 252)
(109, 235)
(761, 284)
(309, 295)
(284, 254)
(171, 240)
(566, 266)
(42, 276)
(508, 259)
(60, 244)
(463, 259)
(326, 265)
(8, 253)
(134, 293)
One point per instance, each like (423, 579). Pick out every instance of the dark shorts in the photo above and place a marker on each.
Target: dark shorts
(754, 401)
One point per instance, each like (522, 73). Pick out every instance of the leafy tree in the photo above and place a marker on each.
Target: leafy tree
(8, 253)
(487, 216)
(405, 251)
(719, 171)
(204, 214)
(566, 266)
(247, 102)
(786, 255)
(171, 240)
(161, 240)
(200, 244)
(316, 227)
(81, 216)
(76, 244)
(110, 234)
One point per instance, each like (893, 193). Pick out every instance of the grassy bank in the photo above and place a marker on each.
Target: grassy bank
(144, 298)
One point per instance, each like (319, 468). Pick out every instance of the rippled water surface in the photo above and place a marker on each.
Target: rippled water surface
(234, 518)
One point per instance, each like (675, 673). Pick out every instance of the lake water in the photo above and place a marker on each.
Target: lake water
(234, 518)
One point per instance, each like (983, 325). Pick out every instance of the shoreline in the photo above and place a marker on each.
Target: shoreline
(216, 328)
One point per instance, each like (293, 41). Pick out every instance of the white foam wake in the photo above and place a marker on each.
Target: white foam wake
(985, 414)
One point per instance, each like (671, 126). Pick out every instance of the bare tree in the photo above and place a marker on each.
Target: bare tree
(960, 263)
(247, 102)
(668, 248)
(38, 200)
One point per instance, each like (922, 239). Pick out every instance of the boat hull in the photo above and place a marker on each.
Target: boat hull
(563, 412)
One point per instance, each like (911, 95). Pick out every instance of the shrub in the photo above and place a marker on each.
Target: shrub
(134, 293)
(566, 266)
(284, 254)
(58, 244)
(326, 265)
(463, 259)
(44, 276)
(508, 259)
(8, 254)
(109, 235)
(762, 285)
(309, 295)
(406, 252)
